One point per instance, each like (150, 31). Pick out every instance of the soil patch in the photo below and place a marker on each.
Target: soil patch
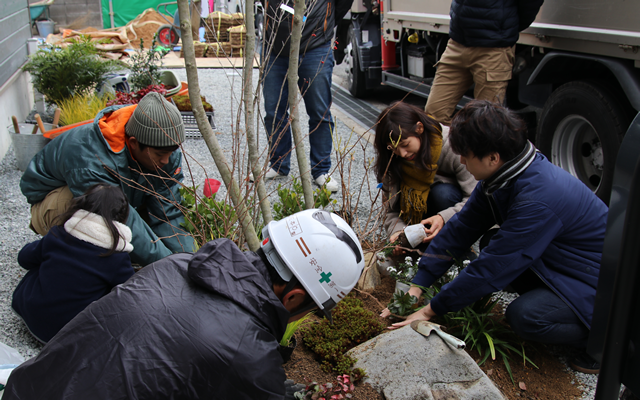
(550, 381)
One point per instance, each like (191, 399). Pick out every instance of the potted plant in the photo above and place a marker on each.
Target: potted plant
(60, 72)
(146, 69)
(288, 342)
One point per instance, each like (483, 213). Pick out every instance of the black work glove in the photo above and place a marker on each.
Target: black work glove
(291, 388)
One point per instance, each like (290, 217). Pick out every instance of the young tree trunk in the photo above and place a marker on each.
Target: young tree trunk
(207, 132)
(249, 108)
(292, 78)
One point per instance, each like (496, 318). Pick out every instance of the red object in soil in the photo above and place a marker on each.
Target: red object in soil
(211, 186)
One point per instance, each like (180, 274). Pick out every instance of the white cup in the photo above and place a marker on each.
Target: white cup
(415, 234)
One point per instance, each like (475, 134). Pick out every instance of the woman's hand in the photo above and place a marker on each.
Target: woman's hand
(423, 314)
(397, 250)
(436, 222)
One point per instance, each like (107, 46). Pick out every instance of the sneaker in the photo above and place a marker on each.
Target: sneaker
(271, 174)
(329, 183)
(585, 364)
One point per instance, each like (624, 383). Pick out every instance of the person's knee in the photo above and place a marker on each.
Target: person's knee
(443, 196)
(44, 214)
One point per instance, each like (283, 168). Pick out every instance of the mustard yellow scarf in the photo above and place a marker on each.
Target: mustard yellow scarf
(416, 184)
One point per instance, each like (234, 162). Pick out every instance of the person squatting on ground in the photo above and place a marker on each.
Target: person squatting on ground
(134, 147)
(549, 244)
(314, 80)
(480, 51)
(423, 180)
(79, 261)
(200, 326)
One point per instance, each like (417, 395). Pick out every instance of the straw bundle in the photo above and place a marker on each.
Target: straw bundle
(201, 50)
(217, 25)
(238, 36)
(219, 49)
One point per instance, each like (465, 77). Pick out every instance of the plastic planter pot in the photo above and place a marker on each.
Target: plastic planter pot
(287, 351)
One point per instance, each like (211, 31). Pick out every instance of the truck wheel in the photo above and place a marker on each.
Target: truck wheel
(580, 130)
(355, 77)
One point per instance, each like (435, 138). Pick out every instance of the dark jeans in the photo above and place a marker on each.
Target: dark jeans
(541, 316)
(442, 196)
(314, 81)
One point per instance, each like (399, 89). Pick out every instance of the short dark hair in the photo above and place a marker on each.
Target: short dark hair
(396, 122)
(483, 127)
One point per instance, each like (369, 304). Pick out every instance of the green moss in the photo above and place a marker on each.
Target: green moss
(184, 104)
(352, 325)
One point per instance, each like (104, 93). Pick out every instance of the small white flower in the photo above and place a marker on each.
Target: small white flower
(466, 262)
(408, 260)
(391, 269)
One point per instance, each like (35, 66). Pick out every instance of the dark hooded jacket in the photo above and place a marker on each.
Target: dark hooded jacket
(491, 23)
(321, 17)
(203, 326)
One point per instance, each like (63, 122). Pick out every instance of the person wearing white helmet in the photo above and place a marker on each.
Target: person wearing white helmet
(203, 325)
(320, 268)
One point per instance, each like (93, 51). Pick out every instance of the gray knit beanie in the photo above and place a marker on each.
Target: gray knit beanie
(156, 122)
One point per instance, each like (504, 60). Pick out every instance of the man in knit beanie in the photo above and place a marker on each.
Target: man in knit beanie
(135, 147)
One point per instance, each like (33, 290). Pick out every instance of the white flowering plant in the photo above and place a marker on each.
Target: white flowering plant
(405, 271)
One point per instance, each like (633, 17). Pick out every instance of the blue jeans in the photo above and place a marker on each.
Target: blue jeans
(442, 196)
(314, 82)
(541, 316)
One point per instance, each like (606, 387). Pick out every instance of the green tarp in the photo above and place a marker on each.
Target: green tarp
(125, 11)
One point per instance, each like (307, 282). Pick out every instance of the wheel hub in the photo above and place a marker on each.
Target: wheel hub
(348, 59)
(577, 149)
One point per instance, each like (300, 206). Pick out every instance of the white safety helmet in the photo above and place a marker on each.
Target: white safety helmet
(320, 249)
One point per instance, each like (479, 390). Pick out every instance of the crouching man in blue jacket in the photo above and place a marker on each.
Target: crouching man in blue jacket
(549, 244)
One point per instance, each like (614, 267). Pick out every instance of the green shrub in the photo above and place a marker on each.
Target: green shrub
(205, 218)
(352, 325)
(146, 64)
(291, 201)
(62, 72)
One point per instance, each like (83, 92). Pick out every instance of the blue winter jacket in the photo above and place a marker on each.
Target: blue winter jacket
(97, 153)
(549, 222)
(491, 23)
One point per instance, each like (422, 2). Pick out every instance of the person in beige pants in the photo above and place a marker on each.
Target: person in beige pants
(459, 68)
(481, 50)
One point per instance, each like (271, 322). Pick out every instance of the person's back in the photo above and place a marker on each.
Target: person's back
(200, 326)
(182, 328)
(79, 261)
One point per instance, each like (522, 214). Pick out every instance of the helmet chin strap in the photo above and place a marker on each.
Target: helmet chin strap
(289, 287)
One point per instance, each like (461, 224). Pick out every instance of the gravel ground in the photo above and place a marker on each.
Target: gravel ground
(222, 88)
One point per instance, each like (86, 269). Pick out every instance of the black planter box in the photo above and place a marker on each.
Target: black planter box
(191, 130)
